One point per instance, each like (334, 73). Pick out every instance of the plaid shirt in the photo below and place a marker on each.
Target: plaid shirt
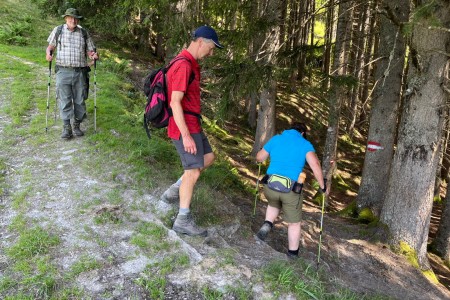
(71, 47)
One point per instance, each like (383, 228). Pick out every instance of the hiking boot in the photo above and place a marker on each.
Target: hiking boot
(292, 256)
(67, 132)
(184, 224)
(172, 194)
(76, 129)
(264, 231)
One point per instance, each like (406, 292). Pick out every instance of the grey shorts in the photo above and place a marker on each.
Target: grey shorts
(191, 161)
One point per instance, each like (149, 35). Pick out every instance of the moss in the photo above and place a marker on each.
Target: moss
(411, 256)
(437, 199)
(409, 253)
(366, 216)
(349, 211)
(429, 274)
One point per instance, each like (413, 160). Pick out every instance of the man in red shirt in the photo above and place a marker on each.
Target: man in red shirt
(183, 86)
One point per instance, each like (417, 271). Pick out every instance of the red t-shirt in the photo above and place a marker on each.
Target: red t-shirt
(178, 80)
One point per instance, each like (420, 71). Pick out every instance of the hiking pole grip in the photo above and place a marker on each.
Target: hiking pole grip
(95, 61)
(50, 63)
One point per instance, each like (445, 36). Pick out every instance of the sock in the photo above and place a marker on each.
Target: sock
(66, 122)
(178, 183)
(183, 211)
(293, 252)
(268, 222)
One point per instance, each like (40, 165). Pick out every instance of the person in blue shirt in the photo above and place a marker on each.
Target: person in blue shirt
(288, 153)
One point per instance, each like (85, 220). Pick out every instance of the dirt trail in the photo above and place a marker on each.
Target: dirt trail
(65, 188)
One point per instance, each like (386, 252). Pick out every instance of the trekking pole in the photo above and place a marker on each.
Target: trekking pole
(56, 106)
(48, 92)
(321, 228)
(95, 93)
(328, 175)
(56, 101)
(257, 189)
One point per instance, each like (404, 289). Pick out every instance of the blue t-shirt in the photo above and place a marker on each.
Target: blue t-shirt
(288, 153)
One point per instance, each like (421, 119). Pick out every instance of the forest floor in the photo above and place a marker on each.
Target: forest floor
(65, 186)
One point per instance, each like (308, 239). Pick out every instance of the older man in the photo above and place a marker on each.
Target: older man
(73, 45)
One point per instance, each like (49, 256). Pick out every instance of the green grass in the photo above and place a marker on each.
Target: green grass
(84, 264)
(3, 170)
(107, 217)
(211, 294)
(19, 199)
(153, 278)
(31, 242)
(304, 282)
(32, 273)
(150, 237)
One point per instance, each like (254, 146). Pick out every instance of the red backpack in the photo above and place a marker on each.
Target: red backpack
(157, 111)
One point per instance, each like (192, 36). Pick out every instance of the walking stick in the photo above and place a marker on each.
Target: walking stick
(48, 92)
(95, 93)
(321, 228)
(56, 106)
(257, 189)
(330, 173)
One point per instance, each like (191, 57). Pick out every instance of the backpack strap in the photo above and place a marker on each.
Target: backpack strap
(83, 32)
(58, 33)
(191, 79)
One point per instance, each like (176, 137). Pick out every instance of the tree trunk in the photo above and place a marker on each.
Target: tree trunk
(384, 112)
(283, 7)
(159, 48)
(439, 179)
(329, 28)
(368, 67)
(253, 99)
(409, 199)
(442, 241)
(336, 93)
(303, 39)
(445, 170)
(265, 128)
(359, 41)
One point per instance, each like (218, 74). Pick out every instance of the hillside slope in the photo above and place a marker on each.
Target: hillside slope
(102, 219)
(78, 221)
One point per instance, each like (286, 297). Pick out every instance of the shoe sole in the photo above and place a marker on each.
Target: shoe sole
(182, 231)
(262, 238)
(170, 200)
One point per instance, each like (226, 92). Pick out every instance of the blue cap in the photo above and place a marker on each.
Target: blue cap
(208, 33)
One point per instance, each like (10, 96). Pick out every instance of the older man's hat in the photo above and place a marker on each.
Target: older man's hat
(73, 13)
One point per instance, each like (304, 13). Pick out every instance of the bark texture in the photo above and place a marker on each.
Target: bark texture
(384, 113)
(408, 204)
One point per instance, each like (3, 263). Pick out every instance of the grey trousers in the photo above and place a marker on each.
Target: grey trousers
(71, 92)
